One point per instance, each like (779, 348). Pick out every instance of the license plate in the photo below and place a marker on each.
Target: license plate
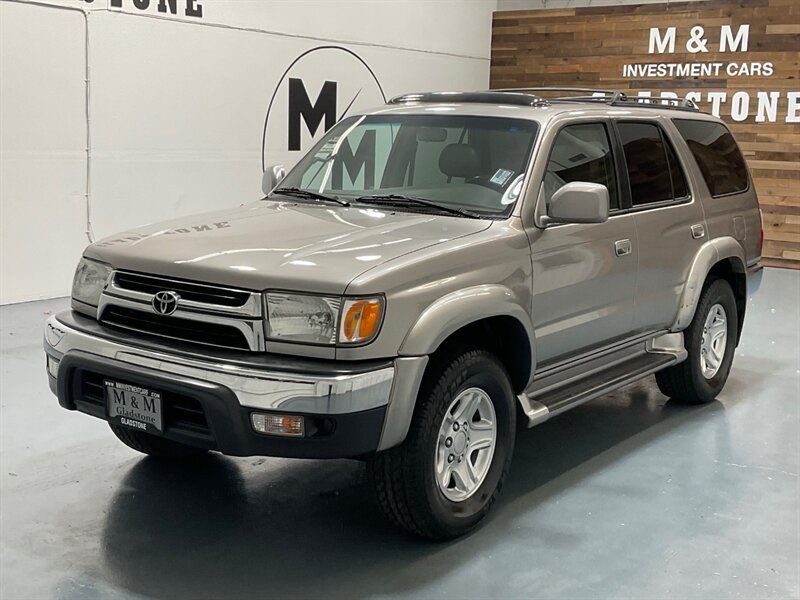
(133, 406)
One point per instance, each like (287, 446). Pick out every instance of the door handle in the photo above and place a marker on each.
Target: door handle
(622, 247)
(698, 231)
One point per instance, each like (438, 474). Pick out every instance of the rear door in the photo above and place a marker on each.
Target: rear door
(584, 275)
(669, 220)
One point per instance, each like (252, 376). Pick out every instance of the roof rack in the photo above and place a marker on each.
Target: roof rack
(610, 97)
(528, 96)
(487, 97)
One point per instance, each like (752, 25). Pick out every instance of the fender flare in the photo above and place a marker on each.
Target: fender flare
(440, 320)
(457, 309)
(709, 254)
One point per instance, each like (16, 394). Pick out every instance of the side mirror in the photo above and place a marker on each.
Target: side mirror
(272, 177)
(578, 202)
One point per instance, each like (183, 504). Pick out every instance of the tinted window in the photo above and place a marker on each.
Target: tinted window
(581, 153)
(679, 187)
(646, 159)
(717, 155)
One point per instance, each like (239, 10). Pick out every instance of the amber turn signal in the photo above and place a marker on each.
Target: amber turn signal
(360, 320)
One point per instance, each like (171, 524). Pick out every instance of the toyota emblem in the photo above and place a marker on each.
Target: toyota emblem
(165, 303)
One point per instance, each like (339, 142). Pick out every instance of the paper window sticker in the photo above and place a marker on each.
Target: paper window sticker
(501, 177)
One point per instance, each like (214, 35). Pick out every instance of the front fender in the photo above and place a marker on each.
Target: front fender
(441, 319)
(458, 309)
(709, 254)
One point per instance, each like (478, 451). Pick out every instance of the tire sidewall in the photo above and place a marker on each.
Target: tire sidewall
(485, 373)
(717, 292)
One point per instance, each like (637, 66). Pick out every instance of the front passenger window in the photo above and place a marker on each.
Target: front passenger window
(581, 153)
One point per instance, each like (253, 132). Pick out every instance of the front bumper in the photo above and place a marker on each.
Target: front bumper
(345, 404)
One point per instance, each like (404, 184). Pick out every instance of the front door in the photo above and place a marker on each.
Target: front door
(584, 275)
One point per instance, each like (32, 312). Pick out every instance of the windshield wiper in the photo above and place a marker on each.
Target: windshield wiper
(300, 193)
(402, 200)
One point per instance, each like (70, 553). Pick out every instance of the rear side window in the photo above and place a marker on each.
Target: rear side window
(653, 170)
(717, 155)
(679, 187)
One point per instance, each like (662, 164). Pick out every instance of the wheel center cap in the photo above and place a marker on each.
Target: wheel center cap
(459, 442)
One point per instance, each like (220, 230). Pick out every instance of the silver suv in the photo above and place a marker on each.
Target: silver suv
(433, 275)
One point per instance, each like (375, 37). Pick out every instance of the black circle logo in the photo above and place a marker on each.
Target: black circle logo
(319, 88)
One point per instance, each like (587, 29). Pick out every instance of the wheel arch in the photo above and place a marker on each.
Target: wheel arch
(487, 316)
(723, 258)
(503, 336)
(464, 317)
(730, 269)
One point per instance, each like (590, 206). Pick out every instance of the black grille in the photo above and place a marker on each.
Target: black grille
(180, 412)
(210, 334)
(92, 390)
(188, 291)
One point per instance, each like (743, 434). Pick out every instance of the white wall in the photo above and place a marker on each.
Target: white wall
(42, 150)
(177, 106)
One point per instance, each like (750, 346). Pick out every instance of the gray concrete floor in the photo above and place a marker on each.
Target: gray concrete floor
(626, 497)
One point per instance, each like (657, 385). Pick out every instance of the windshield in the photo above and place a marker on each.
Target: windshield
(475, 164)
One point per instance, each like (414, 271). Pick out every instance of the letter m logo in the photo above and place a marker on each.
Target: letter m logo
(300, 106)
(660, 44)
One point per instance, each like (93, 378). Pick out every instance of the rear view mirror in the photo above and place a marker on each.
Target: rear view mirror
(272, 177)
(431, 134)
(578, 202)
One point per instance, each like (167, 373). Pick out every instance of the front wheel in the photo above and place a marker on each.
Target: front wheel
(443, 479)
(710, 341)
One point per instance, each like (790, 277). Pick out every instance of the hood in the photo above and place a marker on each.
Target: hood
(279, 245)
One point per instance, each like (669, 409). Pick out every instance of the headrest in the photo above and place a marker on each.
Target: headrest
(459, 160)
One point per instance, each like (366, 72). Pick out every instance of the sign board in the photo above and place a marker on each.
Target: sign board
(737, 60)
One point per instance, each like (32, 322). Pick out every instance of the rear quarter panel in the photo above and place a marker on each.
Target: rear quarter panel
(737, 216)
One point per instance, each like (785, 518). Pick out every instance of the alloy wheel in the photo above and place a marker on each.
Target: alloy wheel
(465, 445)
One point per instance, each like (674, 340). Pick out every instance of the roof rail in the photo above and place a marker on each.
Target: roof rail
(611, 97)
(487, 97)
(555, 89)
(529, 97)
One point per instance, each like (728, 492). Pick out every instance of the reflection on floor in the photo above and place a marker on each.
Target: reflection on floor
(626, 497)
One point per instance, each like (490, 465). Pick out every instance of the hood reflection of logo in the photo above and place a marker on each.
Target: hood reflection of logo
(165, 303)
(320, 87)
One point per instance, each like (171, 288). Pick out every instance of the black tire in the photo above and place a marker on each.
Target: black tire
(685, 381)
(155, 446)
(404, 477)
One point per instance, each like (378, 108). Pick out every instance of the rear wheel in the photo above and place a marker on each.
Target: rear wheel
(155, 446)
(443, 479)
(710, 340)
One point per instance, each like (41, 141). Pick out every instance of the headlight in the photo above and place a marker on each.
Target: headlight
(308, 319)
(321, 319)
(90, 278)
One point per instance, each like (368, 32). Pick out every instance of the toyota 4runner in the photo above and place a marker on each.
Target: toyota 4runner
(432, 275)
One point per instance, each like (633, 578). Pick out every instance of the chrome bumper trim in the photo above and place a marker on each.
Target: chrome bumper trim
(254, 388)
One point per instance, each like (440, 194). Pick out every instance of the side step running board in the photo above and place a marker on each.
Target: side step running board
(540, 406)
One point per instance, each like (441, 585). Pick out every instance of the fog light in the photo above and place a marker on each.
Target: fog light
(278, 424)
(52, 366)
